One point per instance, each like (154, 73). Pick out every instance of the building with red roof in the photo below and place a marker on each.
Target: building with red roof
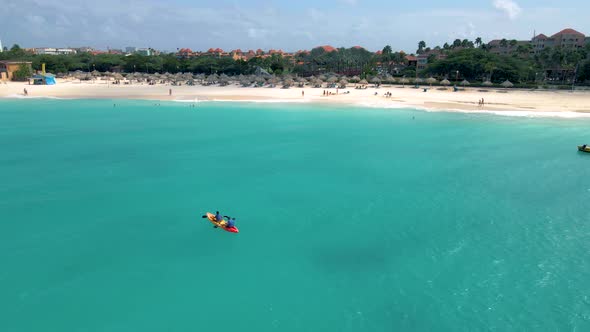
(328, 48)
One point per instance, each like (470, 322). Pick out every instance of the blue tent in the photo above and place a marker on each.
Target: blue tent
(44, 79)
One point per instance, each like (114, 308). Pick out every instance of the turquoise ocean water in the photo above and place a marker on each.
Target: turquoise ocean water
(350, 219)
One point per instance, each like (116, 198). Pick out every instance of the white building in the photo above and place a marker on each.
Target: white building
(1, 49)
(54, 51)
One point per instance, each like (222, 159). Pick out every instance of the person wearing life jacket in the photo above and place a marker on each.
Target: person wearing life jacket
(231, 222)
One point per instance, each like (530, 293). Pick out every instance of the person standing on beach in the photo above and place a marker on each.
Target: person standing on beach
(170, 92)
(26, 92)
(302, 93)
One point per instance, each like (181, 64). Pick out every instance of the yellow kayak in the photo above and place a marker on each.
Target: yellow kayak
(221, 223)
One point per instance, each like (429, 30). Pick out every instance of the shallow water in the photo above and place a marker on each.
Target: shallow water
(350, 219)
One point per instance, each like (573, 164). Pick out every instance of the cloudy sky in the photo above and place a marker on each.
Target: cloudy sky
(287, 25)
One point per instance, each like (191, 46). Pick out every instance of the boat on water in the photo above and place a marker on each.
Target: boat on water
(584, 148)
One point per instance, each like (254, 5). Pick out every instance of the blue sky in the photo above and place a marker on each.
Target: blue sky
(287, 25)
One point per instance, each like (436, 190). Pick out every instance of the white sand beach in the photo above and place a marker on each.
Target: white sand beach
(496, 100)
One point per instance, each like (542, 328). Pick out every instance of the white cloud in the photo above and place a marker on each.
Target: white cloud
(509, 7)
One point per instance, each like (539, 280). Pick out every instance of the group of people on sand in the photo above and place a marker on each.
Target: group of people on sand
(387, 94)
(329, 93)
(481, 102)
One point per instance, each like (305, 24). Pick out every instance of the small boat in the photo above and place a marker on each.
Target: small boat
(221, 224)
(584, 148)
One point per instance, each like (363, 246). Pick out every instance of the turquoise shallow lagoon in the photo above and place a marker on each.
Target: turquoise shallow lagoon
(350, 219)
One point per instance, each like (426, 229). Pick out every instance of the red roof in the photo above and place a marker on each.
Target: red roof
(211, 50)
(379, 52)
(358, 47)
(328, 48)
(567, 32)
(411, 58)
(218, 50)
(185, 50)
(259, 51)
(540, 36)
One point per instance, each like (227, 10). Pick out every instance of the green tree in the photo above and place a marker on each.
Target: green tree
(504, 43)
(446, 46)
(421, 46)
(457, 43)
(387, 50)
(478, 41)
(23, 73)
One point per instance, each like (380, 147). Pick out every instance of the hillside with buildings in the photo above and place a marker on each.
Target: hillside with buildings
(561, 58)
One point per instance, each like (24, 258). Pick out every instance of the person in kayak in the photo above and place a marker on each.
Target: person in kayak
(217, 216)
(231, 222)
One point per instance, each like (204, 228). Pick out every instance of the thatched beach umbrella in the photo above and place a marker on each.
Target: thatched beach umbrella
(445, 82)
(431, 80)
(273, 81)
(332, 79)
(507, 84)
(363, 82)
(301, 81)
(288, 83)
(260, 81)
(465, 83)
(245, 83)
(376, 81)
(389, 79)
(355, 79)
(317, 83)
(487, 83)
(404, 81)
(342, 84)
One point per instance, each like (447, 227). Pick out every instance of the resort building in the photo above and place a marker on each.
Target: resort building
(566, 38)
(54, 51)
(7, 68)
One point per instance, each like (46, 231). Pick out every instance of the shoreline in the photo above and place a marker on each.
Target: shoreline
(515, 102)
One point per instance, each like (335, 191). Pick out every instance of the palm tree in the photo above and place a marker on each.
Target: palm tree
(446, 46)
(421, 46)
(478, 41)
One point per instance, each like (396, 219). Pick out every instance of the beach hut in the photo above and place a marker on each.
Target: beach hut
(507, 84)
(44, 79)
